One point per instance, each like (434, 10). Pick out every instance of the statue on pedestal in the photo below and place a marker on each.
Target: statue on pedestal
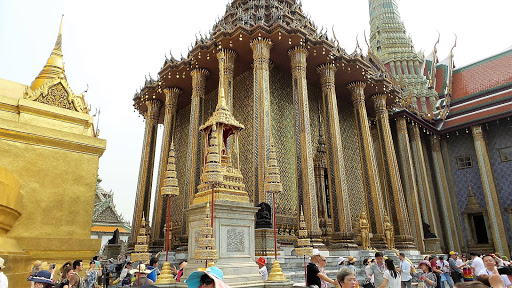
(364, 226)
(263, 219)
(388, 233)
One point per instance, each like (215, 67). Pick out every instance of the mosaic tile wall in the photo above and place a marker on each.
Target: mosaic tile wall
(462, 145)
(181, 148)
(282, 118)
(500, 136)
(352, 160)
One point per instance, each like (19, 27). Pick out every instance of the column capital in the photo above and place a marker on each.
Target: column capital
(327, 72)
(171, 96)
(379, 101)
(415, 132)
(477, 131)
(261, 48)
(435, 143)
(298, 55)
(401, 124)
(199, 81)
(357, 89)
(200, 72)
(153, 112)
(227, 58)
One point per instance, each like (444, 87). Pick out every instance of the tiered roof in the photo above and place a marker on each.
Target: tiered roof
(105, 217)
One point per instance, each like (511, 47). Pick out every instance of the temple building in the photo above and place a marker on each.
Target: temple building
(49, 155)
(106, 219)
(420, 147)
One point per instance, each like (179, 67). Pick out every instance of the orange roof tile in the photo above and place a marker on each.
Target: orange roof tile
(107, 229)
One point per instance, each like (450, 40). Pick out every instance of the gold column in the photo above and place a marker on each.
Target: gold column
(143, 197)
(398, 209)
(451, 236)
(342, 236)
(492, 200)
(159, 213)
(306, 181)
(424, 188)
(261, 55)
(226, 59)
(374, 199)
(194, 138)
(409, 181)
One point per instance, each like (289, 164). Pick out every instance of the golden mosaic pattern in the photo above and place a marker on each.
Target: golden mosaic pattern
(352, 160)
(283, 132)
(181, 148)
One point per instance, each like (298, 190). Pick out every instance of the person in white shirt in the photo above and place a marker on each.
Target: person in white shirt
(405, 271)
(490, 264)
(444, 266)
(477, 265)
(390, 278)
(4, 283)
(263, 269)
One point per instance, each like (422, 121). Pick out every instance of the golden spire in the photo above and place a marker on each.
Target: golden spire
(303, 242)
(170, 186)
(273, 179)
(206, 249)
(54, 67)
(141, 248)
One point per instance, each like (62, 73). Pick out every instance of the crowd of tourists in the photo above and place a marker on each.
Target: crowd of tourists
(433, 271)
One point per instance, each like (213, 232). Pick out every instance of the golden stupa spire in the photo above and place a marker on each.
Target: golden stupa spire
(54, 67)
(304, 243)
(273, 178)
(170, 186)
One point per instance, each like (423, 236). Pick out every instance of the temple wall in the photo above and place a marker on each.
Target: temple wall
(498, 137)
(463, 145)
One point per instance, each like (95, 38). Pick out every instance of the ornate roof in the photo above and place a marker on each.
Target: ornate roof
(105, 213)
(282, 22)
(51, 86)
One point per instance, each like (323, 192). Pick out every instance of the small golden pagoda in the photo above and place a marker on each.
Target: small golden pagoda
(303, 242)
(170, 188)
(141, 248)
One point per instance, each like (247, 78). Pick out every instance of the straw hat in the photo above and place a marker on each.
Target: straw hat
(2, 266)
(351, 259)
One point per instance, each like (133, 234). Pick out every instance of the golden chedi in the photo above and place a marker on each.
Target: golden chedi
(49, 154)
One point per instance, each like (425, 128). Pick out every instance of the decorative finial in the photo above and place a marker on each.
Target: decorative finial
(207, 243)
(304, 243)
(170, 184)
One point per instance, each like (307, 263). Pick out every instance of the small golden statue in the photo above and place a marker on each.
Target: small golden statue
(365, 231)
(388, 233)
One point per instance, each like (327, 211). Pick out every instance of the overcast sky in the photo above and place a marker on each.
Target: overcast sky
(111, 45)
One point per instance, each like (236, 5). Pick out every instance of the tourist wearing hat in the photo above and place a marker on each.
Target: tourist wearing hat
(351, 263)
(263, 268)
(4, 283)
(141, 273)
(426, 278)
(455, 270)
(210, 277)
(341, 262)
(42, 279)
(313, 274)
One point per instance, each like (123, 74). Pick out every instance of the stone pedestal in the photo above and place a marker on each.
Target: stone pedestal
(264, 242)
(432, 246)
(234, 233)
(112, 250)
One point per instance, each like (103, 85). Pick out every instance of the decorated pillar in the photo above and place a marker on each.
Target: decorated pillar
(261, 55)
(306, 181)
(159, 213)
(398, 210)
(143, 196)
(409, 181)
(341, 225)
(492, 200)
(320, 163)
(451, 237)
(194, 139)
(424, 187)
(374, 199)
(226, 59)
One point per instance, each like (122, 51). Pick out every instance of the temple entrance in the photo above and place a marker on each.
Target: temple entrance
(479, 229)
